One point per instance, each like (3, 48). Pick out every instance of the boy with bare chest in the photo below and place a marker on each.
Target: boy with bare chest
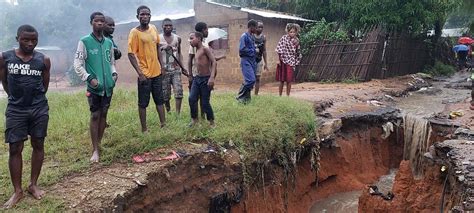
(203, 82)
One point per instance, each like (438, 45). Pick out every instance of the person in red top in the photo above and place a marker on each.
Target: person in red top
(288, 50)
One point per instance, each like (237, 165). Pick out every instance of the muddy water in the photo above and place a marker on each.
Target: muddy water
(349, 201)
(429, 101)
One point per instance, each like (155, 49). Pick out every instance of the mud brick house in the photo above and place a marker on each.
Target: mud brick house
(229, 18)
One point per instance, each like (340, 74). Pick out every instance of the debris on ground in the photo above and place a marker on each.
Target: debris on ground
(387, 130)
(147, 157)
(374, 191)
(375, 103)
(455, 114)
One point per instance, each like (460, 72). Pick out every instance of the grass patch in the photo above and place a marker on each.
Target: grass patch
(350, 81)
(440, 69)
(263, 129)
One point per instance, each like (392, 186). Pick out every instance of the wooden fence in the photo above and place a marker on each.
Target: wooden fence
(375, 56)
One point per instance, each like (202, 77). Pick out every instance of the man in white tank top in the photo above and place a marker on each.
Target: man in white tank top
(170, 46)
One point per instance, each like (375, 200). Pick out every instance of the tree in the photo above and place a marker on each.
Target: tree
(407, 16)
(463, 16)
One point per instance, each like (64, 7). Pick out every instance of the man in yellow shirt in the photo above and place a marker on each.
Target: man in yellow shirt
(144, 56)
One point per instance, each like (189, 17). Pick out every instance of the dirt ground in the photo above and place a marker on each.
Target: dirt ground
(98, 187)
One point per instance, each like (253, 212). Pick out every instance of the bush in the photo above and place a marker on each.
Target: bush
(321, 31)
(440, 69)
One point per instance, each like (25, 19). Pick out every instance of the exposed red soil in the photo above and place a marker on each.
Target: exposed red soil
(183, 185)
(361, 158)
(411, 195)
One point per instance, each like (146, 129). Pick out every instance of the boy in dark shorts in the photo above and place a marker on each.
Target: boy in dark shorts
(203, 82)
(94, 63)
(145, 58)
(24, 73)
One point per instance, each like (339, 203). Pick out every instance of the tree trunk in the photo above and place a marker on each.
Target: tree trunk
(438, 30)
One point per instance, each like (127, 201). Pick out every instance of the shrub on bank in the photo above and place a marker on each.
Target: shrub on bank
(440, 69)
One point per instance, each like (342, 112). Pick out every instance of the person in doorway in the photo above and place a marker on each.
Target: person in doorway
(288, 50)
(261, 48)
(24, 73)
(95, 65)
(202, 28)
(170, 46)
(248, 62)
(145, 58)
(109, 29)
(203, 82)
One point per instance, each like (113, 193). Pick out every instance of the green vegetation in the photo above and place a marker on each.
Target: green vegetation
(440, 69)
(408, 16)
(321, 31)
(267, 128)
(350, 81)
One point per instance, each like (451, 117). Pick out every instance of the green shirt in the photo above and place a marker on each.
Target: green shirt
(94, 60)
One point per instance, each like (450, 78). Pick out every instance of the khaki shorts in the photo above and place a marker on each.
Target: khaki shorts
(258, 71)
(172, 79)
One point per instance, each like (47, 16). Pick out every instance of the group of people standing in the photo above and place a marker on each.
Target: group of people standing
(463, 53)
(157, 60)
(253, 58)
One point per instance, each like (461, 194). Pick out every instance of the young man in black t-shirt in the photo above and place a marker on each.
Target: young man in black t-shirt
(261, 56)
(24, 73)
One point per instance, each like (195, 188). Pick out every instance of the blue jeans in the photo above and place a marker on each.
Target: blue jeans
(199, 89)
(249, 68)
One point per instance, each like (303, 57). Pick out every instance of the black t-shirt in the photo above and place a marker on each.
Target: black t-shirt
(25, 82)
(260, 45)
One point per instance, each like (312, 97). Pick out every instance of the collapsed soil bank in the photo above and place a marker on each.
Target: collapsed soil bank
(358, 157)
(202, 182)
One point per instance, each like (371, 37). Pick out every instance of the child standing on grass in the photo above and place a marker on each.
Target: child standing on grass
(203, 82)
(95, 64)
(24, 74)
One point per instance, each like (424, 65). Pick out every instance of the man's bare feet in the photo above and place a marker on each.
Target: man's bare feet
(212, 124)
(95, 157)
(36, 192)
(14, 199)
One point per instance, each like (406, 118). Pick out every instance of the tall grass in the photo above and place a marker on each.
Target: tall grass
(258, 130)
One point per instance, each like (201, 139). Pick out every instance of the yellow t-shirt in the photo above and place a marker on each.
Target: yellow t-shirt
(144, 46)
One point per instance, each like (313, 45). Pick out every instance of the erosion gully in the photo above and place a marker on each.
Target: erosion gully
(402, 142)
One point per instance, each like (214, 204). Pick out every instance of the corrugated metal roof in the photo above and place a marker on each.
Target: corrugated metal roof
(189, 14)
(266, 14)
(48, 48)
